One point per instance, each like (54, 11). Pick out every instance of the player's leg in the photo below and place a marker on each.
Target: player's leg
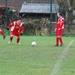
(18, 38)
(61, 42)
(11, 37)
(57, 41)
(57, 38)
(2, 33)
(60, 39)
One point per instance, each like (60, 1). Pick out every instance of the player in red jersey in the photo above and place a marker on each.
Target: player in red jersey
(16, 28)
(59, 29)
(2, 33)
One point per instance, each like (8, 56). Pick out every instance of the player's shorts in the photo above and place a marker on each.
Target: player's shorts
(59, 33)
(15, 33)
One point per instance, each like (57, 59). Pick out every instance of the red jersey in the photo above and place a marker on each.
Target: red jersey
(16, 27)
(60, 24)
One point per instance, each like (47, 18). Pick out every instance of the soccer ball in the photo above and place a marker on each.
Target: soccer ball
(33, 43)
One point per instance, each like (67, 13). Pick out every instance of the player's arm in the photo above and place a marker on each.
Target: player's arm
(9, 26)
(62, 24)
(22, 29)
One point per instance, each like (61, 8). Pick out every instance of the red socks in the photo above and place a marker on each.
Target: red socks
(59, 39)
(11, 38)
(18, 39)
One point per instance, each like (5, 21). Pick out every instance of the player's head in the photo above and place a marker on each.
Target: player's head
(58, 15)
(19, 21)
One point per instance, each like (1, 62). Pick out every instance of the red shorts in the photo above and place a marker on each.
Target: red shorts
(59, 32)
(15, 33)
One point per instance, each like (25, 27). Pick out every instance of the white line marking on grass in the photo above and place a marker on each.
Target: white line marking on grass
(60, 58)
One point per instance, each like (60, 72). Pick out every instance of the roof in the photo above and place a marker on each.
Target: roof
(18, 3)
(38, 8)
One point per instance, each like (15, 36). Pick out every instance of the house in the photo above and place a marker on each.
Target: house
(39, 10)
(17, 4)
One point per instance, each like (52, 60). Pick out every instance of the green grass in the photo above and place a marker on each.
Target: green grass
(39, 60)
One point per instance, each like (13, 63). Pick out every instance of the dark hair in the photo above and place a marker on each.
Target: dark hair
(60, 13)
(19, 18)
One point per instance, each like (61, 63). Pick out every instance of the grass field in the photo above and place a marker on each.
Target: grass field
(43, 59)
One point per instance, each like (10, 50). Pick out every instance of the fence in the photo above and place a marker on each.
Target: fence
(43, 27)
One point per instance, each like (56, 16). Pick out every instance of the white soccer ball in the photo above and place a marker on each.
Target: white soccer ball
(33, 43)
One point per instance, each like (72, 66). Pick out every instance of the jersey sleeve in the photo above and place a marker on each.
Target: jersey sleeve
(62, 23)
(10, 25)
(22, 29)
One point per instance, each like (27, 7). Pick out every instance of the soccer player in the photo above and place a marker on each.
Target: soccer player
(2, 33)
(59, 29)
(16, 28)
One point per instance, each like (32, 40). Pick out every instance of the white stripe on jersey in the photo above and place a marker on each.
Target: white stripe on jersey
(12, 28)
